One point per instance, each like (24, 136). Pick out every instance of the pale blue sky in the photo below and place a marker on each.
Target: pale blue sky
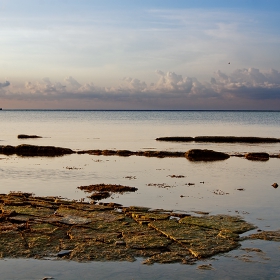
(140, 54)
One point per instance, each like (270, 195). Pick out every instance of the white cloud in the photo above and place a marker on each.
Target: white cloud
(243, 84)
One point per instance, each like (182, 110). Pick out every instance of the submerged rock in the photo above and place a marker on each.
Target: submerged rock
(102, 191)
(266, 235)
(205, 155)
(108, 188)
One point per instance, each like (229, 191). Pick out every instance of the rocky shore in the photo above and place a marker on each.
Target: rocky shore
(52, 227)
(192, 155)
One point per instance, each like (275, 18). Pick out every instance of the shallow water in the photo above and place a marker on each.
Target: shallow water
(258, 202)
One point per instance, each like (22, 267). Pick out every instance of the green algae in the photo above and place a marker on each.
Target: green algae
(219, 222)
(38, 227)
(266, 235)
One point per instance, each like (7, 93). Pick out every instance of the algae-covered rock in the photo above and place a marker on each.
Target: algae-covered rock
(38, 227)
(201, 242)
(219, 222)
(147, 239)
(266, 235)
(102, 191)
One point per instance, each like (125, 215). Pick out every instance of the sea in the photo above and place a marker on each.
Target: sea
(235, 186)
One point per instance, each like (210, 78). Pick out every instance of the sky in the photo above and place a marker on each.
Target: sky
(140, 54)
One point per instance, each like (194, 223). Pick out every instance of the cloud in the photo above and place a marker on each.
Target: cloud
(6, 84)
(250, 85)
(70, 80)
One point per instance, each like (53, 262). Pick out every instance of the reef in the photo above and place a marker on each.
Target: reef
(56, 228)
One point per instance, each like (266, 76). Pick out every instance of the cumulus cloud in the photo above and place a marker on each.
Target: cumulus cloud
(71, 81)
(6, 84)
(134, 84)
(243, 84)
(249, 83)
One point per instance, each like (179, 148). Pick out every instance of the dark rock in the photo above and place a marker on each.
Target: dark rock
(176, 139)
(235, 139)
(161, 154)
(109, 152)
(7, 150)
(107, 188)
(100, 195)
(205, 155)
(124, 153)
(220, 139)
(25, 136)
(275, 185)
(32, 150)
(257, 156)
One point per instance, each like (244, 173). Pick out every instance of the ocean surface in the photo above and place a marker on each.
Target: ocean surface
(197, 190)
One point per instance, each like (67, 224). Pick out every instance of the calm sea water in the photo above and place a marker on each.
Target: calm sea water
(137, 130)
(133, 129)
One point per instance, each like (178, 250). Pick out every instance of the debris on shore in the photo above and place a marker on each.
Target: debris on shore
(52, 227)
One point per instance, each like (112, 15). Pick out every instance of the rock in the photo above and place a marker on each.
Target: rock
(220, 139)
(109, 152)
(124, 153)
(235, 139)
(108, 188)
(275, 185)
(205, 155)
(175, 139)
(32, 150)
(99, 195)
(25, 136)
(63, 253)
(257, 156)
